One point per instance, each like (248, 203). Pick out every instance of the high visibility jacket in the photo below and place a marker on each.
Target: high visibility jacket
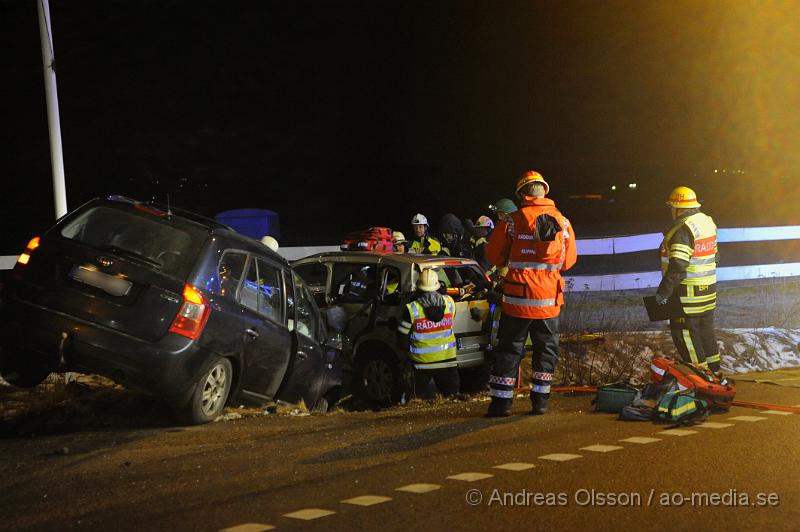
(689, 251)
(432, 345)
(427, 245)
(533, 287)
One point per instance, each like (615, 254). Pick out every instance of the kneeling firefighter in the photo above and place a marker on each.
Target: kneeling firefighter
(428, 326)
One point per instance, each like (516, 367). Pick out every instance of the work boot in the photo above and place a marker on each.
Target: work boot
(539, 403)
(499, 407)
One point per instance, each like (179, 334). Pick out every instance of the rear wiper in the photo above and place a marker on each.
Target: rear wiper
(132, 255)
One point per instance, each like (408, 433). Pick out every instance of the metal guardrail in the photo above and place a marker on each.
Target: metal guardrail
(651, 241)
(618, 245)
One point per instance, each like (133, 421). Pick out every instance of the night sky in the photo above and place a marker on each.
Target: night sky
(341, 115)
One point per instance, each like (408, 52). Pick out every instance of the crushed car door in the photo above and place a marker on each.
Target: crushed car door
(307, 374)
(267, 339)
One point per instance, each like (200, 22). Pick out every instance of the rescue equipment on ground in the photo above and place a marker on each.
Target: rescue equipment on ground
(372, 239)
(614, 397)
(735, 402)
(665, 401)
(718, 393)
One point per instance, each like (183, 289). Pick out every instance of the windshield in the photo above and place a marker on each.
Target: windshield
(142, 238)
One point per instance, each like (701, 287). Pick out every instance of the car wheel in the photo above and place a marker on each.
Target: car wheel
(22, 369)
(379, 379)
(328, 401)
(210, 393)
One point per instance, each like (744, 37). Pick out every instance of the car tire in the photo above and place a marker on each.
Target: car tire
(328, 401)
(378, 378)
(22, 369)
(210, 393)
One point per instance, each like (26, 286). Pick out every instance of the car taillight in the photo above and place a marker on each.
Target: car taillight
(26, 255)
(193, 315)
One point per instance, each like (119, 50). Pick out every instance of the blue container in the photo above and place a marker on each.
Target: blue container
(254, 223)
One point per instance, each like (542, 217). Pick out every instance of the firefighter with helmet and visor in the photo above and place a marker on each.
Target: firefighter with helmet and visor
(689, 258)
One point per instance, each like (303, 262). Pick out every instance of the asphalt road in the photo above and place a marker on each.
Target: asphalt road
(256, 471)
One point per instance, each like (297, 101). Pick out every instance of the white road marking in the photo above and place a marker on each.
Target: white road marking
(678, 432)
(418, 488)
(515, 466)
(366, 500)
(308, 514)
(248, 527)
(746, 418)
(641, 439)
(560, 457)
(777, 412)
(602, 448)
(714, 425)
(470, 477)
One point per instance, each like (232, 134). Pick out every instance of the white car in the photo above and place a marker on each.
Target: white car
(374, 287)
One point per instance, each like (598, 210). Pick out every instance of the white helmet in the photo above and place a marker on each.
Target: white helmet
(270, 242)
(485, 221)
(428, 281)
(419, 219)
(398, 237)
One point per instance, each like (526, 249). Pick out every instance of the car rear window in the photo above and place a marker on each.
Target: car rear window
(146, 239)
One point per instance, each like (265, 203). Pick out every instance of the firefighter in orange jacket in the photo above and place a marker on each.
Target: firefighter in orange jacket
(537, 244)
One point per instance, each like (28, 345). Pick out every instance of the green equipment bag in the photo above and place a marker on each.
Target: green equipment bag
(682, 407)
(614, 397)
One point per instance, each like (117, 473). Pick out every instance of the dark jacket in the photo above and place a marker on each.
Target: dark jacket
(457, 246)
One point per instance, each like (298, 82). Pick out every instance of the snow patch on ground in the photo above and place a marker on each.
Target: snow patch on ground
(745, 350)
(625, 356)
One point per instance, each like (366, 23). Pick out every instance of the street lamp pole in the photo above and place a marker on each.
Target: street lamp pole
(51, 94)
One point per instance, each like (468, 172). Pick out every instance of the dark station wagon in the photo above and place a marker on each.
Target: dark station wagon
(169, 303)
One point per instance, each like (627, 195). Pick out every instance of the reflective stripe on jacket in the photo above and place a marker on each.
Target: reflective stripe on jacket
(432, 344)
(702, 268)
(533, 287)
(426, 246)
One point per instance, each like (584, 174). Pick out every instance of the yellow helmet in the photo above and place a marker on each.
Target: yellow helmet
(428, 281)
(531, 176)
(683, 198)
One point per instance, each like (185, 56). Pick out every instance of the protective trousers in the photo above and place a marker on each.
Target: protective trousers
(510, 351)
(446, 380)
(695, 340)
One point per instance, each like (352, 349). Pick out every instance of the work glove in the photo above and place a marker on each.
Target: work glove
(660, 300)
